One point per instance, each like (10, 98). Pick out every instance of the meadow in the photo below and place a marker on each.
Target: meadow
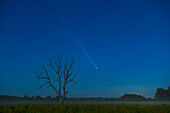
(75, 108)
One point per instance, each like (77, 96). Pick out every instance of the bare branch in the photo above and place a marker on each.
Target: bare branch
(58, 92)
(62, 68)
(43, 85)
(58, 64)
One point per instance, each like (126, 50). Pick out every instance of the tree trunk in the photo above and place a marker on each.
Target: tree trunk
(61, 101)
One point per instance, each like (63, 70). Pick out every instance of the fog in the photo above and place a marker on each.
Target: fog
(85, 102)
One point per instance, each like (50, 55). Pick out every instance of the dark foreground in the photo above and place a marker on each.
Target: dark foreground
(75, 108)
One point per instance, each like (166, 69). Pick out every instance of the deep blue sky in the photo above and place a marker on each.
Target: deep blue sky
(129, 41)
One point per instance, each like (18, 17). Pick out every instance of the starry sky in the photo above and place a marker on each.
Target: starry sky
(127, 40)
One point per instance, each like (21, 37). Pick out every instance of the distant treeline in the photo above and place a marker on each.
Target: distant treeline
(127, 97)
(161, 94)
(5, 97)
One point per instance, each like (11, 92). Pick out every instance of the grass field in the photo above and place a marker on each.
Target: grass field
(30, 108)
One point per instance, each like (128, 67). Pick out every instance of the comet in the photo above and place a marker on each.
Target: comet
(96, 68)
(84, 51)
(81, 46)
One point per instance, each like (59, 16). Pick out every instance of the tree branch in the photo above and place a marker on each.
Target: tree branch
(62, 68)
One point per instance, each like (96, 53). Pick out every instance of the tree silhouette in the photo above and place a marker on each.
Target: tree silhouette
(58, 74)
(48, 97)
(163, 94)
(25, 97)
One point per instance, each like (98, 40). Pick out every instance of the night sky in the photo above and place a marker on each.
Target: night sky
(127, 40)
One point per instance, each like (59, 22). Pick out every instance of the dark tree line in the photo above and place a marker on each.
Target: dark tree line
(163, 94)
(31, 98)
(40, 98)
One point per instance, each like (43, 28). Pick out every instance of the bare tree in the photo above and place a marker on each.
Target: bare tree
(58, 74)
